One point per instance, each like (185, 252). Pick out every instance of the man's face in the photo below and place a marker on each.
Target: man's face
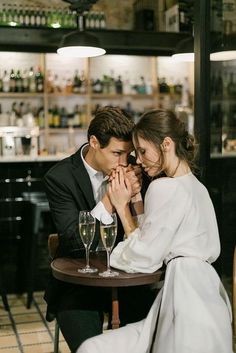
(114, 154)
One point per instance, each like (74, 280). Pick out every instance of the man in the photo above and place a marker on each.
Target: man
(79, 183)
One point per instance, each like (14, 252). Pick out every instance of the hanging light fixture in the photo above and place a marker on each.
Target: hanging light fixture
(79, 43)
(184, 50)
(225, 48)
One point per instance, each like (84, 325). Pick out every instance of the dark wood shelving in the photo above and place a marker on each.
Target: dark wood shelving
(47, 40)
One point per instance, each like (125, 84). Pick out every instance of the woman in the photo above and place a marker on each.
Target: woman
(191, 313)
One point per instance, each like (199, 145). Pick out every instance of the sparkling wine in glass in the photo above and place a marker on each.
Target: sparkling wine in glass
(108, 234)
(87, 225)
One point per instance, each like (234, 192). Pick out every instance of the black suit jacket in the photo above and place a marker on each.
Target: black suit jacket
(69, 190)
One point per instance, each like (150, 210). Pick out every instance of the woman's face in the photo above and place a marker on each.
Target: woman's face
(148, 156)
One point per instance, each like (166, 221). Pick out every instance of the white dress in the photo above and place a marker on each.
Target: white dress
(194, 310)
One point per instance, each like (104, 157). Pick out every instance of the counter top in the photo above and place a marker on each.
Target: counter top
(46, 158)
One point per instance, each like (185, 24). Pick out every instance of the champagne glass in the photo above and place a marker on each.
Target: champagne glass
(87, 230)
(108, 234)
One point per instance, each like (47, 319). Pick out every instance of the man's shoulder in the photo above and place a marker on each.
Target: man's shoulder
(64, 166)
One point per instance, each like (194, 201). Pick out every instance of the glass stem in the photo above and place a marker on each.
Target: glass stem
(108, 261)
(87, 256)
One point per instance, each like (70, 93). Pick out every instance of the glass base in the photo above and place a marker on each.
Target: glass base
(87, 270)
(109, 273)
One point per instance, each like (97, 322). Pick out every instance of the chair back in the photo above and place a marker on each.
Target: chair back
(53, 243)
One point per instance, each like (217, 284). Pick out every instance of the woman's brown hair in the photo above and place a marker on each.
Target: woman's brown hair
(157, 124)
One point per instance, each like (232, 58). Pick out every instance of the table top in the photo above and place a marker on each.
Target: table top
(65, 269)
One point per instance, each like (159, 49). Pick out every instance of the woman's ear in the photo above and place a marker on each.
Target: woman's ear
(93, 142)
(167, 143)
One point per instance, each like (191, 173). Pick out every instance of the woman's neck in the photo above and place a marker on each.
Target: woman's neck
(178, 168)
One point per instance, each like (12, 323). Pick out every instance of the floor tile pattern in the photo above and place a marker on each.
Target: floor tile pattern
(25, 330)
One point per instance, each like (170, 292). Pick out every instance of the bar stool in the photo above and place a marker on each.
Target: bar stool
(3, 293)
(53, 243)
(39, 206)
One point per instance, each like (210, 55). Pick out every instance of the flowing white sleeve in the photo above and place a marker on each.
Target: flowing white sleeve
(148, 245)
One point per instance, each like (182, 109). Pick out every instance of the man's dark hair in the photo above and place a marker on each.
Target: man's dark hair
(111, 122)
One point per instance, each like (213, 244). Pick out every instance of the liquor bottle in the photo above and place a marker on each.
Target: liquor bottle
(142, 85)
(38, 17)
(76, 83)
(97, 86)
(32, 83)
(56, 117)
(18, 82)
(21, 16)
(43, 19)
(119, 85)
(83, 87)
(105, 85)
(102, 20)
(63, 118)
(1, 83)
(50, 82)
(27, 16)
(12, 81)
(6, 82)
(39, 80)
(76, 116)
(231, 88)
(25, 81)
(112, 83)
(57, 84)
(163, 87)
(219, 85)
(96, 20)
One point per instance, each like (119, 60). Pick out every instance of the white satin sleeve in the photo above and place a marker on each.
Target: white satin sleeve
(147, 246)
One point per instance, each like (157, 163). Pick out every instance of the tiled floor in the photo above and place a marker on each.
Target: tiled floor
(25, 330)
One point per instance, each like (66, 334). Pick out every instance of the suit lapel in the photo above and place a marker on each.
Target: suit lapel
(83, 179)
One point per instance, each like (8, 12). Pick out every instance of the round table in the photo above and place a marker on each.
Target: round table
(65, 269)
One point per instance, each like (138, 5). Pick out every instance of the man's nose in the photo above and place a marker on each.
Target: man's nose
(123, 160)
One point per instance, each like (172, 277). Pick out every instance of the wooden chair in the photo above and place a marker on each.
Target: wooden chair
(53, 242)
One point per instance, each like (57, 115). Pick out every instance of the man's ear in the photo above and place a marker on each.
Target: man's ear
(93, 141)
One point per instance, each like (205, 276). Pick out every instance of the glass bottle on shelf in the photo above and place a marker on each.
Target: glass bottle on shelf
(83, 86)
(39, 80)
(32, 83)
(18, 82)
(76, 116)
(6, 82)
(76, 83)
(1, 83)
(119, 85)
(12, 81)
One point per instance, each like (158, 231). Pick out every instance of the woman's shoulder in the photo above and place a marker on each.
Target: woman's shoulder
(163, 184)
(168, 186)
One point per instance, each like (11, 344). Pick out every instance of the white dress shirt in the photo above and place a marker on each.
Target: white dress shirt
(99, 185)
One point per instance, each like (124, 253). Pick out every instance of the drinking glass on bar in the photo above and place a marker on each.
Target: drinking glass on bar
(87, 225)
(108, 234)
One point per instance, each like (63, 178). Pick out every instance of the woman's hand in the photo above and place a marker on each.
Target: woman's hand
(119, 189)
(133, 174)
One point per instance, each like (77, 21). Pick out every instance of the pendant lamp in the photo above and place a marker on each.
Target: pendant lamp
(184, 50)
(225, 48)
(79, 43)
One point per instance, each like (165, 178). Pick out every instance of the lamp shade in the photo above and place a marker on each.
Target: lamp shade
(184, 50)
(224, 48)
(80, 44)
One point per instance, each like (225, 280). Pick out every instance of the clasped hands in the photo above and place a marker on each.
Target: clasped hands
(124, 183)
